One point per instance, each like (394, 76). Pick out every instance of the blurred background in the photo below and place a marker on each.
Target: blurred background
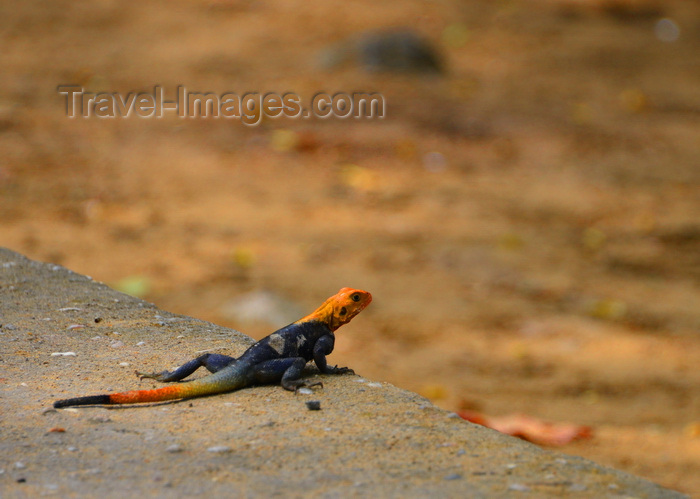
(527, 216)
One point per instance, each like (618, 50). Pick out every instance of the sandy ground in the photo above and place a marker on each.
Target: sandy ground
(546, 260)
(364, 439)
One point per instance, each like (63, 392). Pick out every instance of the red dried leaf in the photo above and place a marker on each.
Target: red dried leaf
(531, 429)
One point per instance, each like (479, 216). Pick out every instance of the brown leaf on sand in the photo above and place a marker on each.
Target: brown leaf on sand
(531, 429)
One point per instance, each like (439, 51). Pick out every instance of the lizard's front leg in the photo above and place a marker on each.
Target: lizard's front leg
(324, 346)
(212, 361)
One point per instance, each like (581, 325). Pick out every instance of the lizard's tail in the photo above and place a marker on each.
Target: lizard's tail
(222, 381)
(130, 397)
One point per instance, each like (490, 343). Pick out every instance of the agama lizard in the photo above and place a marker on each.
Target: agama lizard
(277, 358)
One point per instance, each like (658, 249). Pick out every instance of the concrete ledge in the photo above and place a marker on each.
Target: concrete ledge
(369, 439)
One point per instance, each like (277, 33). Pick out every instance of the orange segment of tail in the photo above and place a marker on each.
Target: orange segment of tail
(155, 395)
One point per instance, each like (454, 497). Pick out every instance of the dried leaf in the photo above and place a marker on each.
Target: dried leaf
(531, 429)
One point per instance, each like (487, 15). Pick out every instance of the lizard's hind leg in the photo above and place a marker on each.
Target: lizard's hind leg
(212, 361)
(287, 372)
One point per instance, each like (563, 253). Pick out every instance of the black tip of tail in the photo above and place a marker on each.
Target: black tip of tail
(92, 400)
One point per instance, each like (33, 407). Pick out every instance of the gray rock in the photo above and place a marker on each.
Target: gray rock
(398, 51)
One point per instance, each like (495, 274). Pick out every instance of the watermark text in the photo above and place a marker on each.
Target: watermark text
(250, 107)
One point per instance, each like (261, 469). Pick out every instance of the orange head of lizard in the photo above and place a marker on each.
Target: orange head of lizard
(340, 308)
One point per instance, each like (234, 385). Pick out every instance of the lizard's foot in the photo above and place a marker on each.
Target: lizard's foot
(341, 370)
(294, 386)
(161, 376)
(309, 385)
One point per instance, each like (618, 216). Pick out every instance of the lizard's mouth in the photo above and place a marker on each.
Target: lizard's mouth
(360, 307)
(365, 304)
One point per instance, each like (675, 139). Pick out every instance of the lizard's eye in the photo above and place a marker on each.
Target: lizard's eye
(355, 297)
(343, 311)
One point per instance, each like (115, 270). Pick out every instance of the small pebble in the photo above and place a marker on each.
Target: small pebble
(453, 415)
(68, 309)
(666, 30)
(76, 326)
(220, 449)
(453, 476)
(98, 319)
(10, 327)
(72, 449)
(124, 364)
(305, 391)
(19, 465)
(177, 448)
(434, 162)
(63, 354)
(313, 405)
(374, 385)
(117, 344)
(140, 343)
(519, 487)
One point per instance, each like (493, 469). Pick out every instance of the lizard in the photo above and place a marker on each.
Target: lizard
(277, 358)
